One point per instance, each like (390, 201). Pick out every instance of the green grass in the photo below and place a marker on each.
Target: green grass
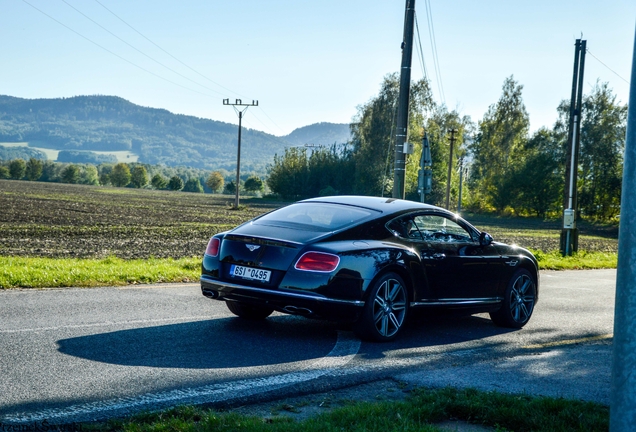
(578, 261)
(37, 272)
(419, 412)
(73, 272)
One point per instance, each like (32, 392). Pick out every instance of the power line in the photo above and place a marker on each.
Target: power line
(431, 31)
(136, 49)
(152, 42)
(421, 52)
(611, 70)
(187, 66)
(136, 65)
(112, 53)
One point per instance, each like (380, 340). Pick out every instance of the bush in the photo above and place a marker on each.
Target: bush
(215, 181)
(4, 172)
(17, 169)
(158, 181)
(139, 177)
(254, 184)
(71, 174)
(120, 175)
(34, 169)
(175, 183)
(193, 185)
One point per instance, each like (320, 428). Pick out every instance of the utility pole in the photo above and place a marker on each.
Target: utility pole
(570, 233)
(461, 180)
(238, 152)
(450, 167)
(403, 101)
(623, 396)
(425, 174)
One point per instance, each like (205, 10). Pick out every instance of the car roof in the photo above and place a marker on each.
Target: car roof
(381, 204)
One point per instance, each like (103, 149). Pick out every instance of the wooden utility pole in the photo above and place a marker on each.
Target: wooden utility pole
(570, 233)
(238, 151)
(403, 101)
(450, 167)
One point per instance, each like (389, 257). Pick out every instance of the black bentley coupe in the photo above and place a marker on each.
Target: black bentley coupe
(368, 260)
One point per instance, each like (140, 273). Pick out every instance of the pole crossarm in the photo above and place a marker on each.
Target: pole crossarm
(239, 102)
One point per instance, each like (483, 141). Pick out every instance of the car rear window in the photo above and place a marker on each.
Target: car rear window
(318, 216)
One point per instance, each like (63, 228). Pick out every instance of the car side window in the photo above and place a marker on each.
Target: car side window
(435, 228)
(405, 227)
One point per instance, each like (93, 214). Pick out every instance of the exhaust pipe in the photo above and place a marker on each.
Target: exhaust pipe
(210, 293)
(294, 310)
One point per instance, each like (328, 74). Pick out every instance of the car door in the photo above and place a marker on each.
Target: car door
(451, 256)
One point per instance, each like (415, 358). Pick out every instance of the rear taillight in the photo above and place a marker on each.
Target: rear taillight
(318, 262)
(213, 247)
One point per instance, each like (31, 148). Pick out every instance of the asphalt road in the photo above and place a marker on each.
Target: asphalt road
(69, 355)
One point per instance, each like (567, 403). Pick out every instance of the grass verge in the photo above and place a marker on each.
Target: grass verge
(578, 261)
(75, 272)
(36, 272)
(419, 412)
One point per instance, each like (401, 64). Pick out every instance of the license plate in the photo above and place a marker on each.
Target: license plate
(250, 273)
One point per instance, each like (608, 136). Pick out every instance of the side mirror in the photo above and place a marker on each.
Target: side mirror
(485, 239)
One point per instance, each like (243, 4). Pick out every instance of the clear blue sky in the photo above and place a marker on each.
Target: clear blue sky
(308, 61)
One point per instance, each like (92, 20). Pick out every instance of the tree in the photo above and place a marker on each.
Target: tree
(89, 175)
(538, 180)
(34, 169)
(120, 175)
(230, 188)
(17, 169)
(288, 175)
(254, 184)
(603, 130)
(193, 185)
(500, 142)
(373, 133)
(71, 174)
(4, 172)
(175, 183)
(158, 181)
(215, 181)
(139, 176)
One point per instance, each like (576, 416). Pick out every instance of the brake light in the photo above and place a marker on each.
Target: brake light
(213, 247)
(318, 262)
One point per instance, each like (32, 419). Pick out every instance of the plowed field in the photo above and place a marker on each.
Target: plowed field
(62, 220)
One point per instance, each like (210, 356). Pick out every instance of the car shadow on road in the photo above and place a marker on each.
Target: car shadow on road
(216, 343)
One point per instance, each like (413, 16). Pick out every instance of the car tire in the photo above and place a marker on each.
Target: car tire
(247, 311)
(518, 303)
(385, 310)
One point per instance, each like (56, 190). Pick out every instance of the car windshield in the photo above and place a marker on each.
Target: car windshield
(318, 216)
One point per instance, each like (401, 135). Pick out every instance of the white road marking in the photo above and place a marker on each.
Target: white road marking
(111, 323)
(343, 352)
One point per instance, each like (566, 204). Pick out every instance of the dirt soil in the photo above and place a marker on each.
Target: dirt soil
(63, 220)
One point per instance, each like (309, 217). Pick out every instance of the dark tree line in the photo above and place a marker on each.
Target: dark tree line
(510, 169)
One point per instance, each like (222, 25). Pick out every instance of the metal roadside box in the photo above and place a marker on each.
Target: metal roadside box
(569, 219)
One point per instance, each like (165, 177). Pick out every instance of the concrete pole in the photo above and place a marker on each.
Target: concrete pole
(623, 399)
(399, 170)
(238, 164)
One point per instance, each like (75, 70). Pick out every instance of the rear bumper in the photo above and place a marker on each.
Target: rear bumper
(286, 301)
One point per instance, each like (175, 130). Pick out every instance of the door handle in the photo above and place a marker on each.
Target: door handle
(439, 256)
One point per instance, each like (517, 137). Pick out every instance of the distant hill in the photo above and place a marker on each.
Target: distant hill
(320, 134)
(157, 136)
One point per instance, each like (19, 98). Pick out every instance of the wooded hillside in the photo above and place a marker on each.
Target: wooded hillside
(109, 123)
